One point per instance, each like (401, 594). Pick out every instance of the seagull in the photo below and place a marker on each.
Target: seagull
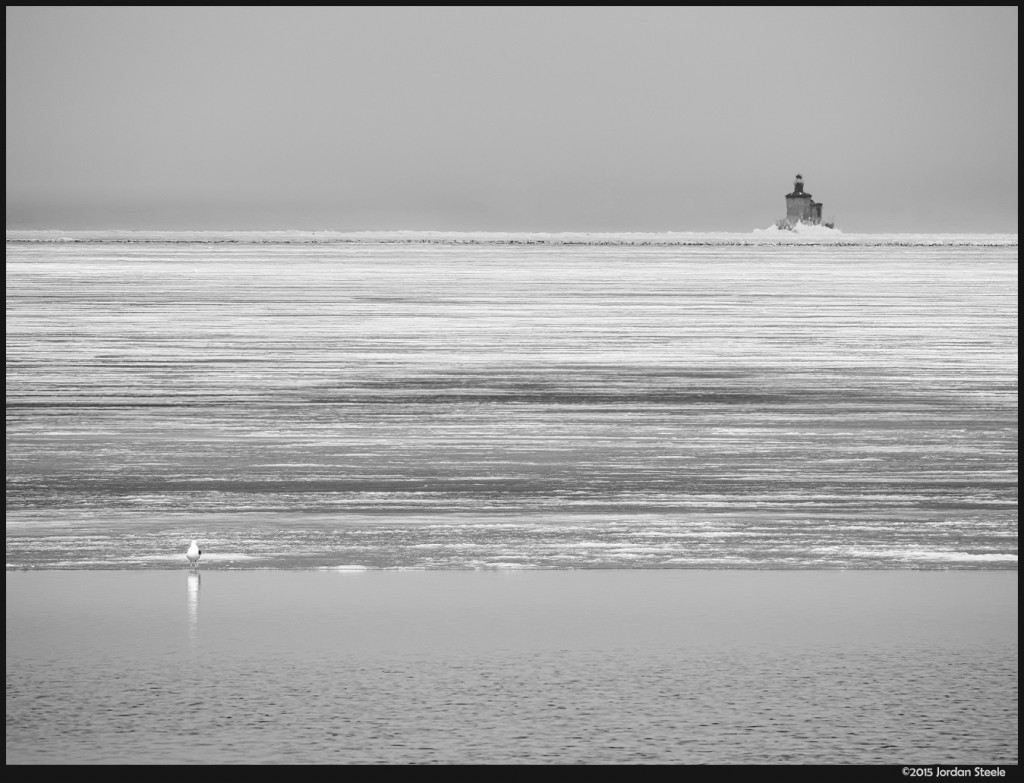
(193, 553)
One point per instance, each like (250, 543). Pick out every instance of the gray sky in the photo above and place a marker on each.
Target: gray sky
(492, 119)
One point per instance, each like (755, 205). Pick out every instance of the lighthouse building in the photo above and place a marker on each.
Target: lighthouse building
(800, 207)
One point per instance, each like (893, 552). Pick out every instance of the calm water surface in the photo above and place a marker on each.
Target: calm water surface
(620, 667)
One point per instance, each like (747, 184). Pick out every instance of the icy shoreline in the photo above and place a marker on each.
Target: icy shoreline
(758, 237)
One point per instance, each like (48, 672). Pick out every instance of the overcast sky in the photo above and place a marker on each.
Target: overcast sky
(491, 119)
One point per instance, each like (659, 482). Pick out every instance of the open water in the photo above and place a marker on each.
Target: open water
(623, 666)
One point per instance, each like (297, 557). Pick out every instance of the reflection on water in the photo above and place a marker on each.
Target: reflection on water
(193, 604)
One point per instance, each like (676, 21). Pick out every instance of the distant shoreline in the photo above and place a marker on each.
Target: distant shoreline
(758, 237)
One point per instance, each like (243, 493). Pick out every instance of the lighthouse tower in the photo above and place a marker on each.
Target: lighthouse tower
(800, 207)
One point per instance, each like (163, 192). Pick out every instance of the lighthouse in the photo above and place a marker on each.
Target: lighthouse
(800, 207)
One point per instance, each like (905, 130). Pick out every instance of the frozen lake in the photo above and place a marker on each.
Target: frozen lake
(467, 403)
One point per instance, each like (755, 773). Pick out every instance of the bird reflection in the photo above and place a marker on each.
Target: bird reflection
(193, 603)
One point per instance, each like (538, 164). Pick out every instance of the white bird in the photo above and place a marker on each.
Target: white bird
(193, 553)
